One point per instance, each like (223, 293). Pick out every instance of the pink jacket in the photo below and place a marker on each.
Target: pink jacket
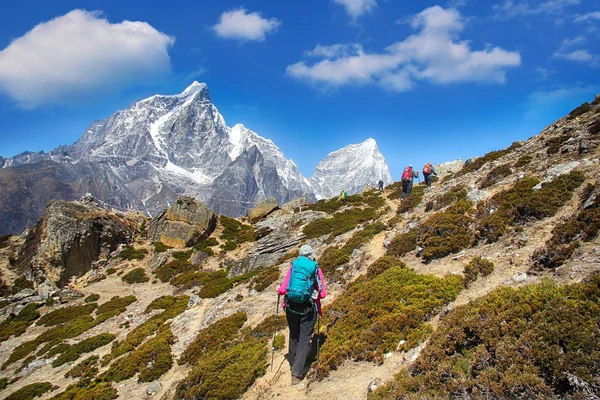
(282, 290)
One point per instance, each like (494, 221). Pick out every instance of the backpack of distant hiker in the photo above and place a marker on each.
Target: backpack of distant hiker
(427, 169)
(407, 174)
(302, 280)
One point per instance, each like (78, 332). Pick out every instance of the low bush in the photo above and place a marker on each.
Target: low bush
(129, 253)
(279, 342)
(160, 247)
(111, 271)
(568, 235)
(476, 164)
(235, 231)
(87, 389)
(115, 306)
(73, 352)
(226, 373)
(521, 204)
(403, 243)
(205, 246)
(495, 175)
(4, 241)
(182, 255)
(171, 269)
(92, 298)
(378, 310)
(151, 360)
(65, 314)
(219, 335)
(87, 369)
(289, 255)
(171, 306)
(267, 327)
(229, 245)
(523, 161)
(136, 275)
(17, 325)
(31, 391)
(540, 341)
(318, 228)
(477, 266)
(582, 109)
(412, 201)
(265, 278)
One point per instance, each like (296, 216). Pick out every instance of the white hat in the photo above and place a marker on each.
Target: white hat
(308, 252)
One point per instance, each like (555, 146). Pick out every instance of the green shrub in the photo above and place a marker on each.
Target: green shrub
(226, 373)
(412, 201)
(495, 176)
(235, 231)
(129, 253)
(523, 161)
(88, 368)
(525, 343)
(218, 335)
(172, 307)
(136, 275)
(521, 204)
(477, 266)
(318, 228)
(151, 360)
(62, 315)
(87, 389)
(267, 327)
(205, 246)
(229, 245)
(31, 391)
(554, 144)
(567, 236)
(171, 269)
(4, 241)
(265, 278)
(582, 109)
(21, 283)
(376, 312)
(17, 325)
(92, 298)
(279, 342)
(403, 243)
(85, 346)
(160, 247)
(115, 306)
(111, 271)
(382, 264)
(182, 255)
(476, 164)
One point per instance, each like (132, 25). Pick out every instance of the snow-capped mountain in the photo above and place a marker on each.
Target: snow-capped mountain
(350, 169)
(143, 157)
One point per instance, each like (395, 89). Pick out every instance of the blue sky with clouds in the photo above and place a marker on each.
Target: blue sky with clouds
(428, 80)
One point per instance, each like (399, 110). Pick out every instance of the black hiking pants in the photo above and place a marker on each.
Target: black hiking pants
(406, 188)
(301, 330)
(428, 179)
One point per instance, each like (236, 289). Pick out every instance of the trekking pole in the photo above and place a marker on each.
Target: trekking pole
(318, 336)
(275, 332)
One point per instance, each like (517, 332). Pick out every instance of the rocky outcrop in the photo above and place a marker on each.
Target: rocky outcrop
(263, 209)
(276, 237)
(69, 238)
(450, 167)
(183, 224)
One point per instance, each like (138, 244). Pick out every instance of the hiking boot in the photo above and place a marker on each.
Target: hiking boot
(296, 380)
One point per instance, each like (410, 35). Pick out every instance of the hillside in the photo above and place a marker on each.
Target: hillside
(484, 286)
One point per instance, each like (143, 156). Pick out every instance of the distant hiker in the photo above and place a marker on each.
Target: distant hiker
(407, 180)
(428, 171)
(303, 288)
(343, 196)
(380, 185)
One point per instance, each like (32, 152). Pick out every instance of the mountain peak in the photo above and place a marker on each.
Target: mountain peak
(194, 88)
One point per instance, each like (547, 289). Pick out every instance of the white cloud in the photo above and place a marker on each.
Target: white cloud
(244, 26)
(514, 8)
(434, 53)
(566, 50)
(556, 99)
(544, 73)
(79, 54)
(356, 8)
(587, 17)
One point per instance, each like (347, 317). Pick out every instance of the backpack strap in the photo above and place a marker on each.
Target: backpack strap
(288, 308)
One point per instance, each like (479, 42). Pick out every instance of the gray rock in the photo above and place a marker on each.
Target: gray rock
(476, 195)
(194, 300)
(197, 258)
(519, 277)
(154, 388)
(69, 294)
(296, 203)
(355, 253)
(34, 366)
(183, 224)
(450, 167)
(559, 170)
(23, 294)
(262, 209)
(158, 260)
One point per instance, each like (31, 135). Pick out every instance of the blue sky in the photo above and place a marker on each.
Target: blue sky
(428, 80)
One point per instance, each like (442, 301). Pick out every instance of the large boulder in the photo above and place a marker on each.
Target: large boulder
(69, 237)
(262, 209)
(183, 224)
(450, 167)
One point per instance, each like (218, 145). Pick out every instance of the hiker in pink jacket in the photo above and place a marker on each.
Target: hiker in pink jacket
(301, 317)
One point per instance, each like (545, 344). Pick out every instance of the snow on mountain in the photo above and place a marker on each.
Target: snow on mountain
(350, 169)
